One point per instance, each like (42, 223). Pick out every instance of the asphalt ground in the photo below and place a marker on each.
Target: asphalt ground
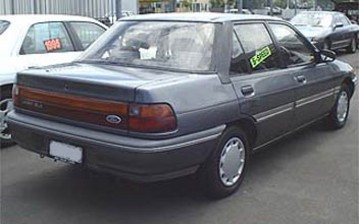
(310, 177)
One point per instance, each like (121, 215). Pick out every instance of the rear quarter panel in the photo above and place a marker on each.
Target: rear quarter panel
(199, 101)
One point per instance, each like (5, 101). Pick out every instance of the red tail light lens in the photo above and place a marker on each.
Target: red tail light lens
(152, 118)
(144, 118)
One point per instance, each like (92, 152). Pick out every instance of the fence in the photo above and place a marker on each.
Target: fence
(90, 8)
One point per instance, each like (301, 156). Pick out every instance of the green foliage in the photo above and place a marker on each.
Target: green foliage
(186, 3)
(221, 3)
(280, 3)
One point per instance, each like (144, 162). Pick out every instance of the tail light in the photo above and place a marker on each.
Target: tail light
(151, 118)
(144, 118)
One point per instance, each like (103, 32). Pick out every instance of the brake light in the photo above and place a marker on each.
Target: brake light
(144, 118)
(151, 118)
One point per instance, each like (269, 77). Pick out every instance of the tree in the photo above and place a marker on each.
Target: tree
(186, 3)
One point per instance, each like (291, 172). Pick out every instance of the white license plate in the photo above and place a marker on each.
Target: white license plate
(66, 152)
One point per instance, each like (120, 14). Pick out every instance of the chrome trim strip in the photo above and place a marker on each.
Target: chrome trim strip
(289, 132)
(299, 103)
(314, 98)
(273, 112)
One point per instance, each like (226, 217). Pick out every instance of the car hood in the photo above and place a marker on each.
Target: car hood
(313, 32)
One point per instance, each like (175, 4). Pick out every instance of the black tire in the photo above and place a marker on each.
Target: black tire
(352, 46)
(5, 94)
(209, 175)
(335, 120)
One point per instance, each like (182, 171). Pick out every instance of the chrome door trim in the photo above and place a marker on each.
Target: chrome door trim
(274, 112)
(314, 98)
(262, 116)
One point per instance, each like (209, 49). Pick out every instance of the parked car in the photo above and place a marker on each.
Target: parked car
(168, 95)
(328, 30)
(39, 40)
(244, 11)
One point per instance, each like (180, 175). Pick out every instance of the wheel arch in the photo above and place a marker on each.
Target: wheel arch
(247, 124)
(6, 90)
(348, 82)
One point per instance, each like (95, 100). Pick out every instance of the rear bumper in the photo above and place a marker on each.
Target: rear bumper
(135, 159)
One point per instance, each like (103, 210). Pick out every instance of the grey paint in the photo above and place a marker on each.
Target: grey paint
(204, 104)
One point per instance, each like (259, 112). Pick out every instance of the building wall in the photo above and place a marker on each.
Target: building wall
(91, 8)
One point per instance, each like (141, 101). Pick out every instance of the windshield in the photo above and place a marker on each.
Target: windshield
(3, 26)
(314, 19)
(172, 45)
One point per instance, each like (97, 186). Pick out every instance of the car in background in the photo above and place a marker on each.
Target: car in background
(39, 40)
(244, 11)
(110, 18)
(162, 96)
(328, 30)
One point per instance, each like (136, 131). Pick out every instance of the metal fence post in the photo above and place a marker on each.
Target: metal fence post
(118, 9)
(239, 5)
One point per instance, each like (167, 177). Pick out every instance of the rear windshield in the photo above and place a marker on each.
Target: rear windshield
(169, 45)
(3, 26)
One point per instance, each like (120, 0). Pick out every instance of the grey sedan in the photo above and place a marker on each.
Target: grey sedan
(328, 30)
(167, 95)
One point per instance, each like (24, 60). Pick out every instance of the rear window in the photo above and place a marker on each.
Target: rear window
(3, 26)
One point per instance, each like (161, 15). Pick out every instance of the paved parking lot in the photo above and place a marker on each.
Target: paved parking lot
(309, 178)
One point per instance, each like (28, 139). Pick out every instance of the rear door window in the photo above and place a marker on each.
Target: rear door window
(3, 26)
(259, 51)
(47, 38)
(87, 32)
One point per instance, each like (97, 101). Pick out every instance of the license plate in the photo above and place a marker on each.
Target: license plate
(65, 152)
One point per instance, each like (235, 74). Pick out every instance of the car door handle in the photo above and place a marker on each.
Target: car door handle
(247, 90)
(301, 79)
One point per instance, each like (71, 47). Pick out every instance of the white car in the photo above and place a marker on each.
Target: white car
(39, 40)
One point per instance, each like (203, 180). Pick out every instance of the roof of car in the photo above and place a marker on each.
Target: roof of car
(28, 18)
(198, 17)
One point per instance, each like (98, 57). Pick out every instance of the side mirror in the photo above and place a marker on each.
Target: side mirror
(338, 25)
(328, 55)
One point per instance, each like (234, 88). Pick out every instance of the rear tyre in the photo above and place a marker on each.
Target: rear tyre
(224, 171)
(5, 107)
(339, 113)
(353, 46)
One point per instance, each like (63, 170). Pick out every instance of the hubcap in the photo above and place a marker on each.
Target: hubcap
(6, 107)
(342, 106)
(232, 161)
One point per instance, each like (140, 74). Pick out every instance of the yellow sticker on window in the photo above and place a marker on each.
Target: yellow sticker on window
(260, 56)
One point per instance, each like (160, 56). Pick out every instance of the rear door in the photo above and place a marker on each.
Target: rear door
(265, 91)
(314, 95)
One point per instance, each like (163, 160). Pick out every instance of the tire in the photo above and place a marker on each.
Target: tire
(222, 175)
(339, 113)
(353, 46)
(5, 107)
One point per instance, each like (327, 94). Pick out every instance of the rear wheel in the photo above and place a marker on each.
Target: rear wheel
(353, 46)
(5, 107)
(224, 171)
(339, 114)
